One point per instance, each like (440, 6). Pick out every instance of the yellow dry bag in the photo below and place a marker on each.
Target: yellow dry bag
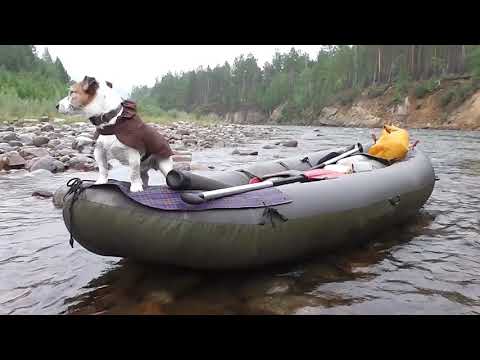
(392, 144)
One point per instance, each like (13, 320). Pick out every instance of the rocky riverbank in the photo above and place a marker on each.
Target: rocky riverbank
(55, 146)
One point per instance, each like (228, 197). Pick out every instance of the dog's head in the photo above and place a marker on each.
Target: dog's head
(87, 97)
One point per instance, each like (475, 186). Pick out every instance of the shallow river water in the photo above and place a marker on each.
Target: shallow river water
(429, 266)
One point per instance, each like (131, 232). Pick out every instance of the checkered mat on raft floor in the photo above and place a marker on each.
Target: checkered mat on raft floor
(163, 198)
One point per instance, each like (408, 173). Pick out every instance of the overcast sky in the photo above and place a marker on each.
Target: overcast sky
(129, 65)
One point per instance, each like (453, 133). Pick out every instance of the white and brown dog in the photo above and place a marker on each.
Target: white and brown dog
(121, 134)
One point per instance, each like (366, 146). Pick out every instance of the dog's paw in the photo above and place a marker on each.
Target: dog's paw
(101, 180)
(136, 187)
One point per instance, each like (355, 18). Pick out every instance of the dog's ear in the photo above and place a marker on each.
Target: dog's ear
(89, 84)
(109, 84)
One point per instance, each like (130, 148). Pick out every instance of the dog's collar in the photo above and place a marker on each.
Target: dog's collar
(106, 117)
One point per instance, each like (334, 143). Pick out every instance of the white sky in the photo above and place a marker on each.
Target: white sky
(129, 65)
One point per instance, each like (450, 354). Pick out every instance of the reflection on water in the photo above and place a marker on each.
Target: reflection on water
(428, 266)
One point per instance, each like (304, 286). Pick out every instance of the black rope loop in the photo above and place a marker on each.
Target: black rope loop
(76, 188)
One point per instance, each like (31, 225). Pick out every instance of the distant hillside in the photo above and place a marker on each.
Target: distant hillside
(29, 84)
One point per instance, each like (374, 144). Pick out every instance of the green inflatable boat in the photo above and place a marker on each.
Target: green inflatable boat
(291, 217)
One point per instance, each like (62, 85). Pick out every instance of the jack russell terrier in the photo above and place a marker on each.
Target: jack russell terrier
(120, 133)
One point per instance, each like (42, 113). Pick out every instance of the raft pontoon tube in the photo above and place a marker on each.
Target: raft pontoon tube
(319, 216)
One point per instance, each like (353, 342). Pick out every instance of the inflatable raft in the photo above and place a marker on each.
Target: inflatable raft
(260, 227)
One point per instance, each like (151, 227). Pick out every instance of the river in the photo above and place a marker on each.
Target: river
(429, 266)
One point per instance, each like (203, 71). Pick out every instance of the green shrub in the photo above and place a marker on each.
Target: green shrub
(348, 96)
(447, 97)
(459, 94)
(424, 88)
(376, 91)
(463, 92)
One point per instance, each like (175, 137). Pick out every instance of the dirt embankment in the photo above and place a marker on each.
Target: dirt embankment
(451, 104)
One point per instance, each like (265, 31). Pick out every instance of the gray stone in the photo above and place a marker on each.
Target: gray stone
(9, 136)
(268, 147)
(59, 166)
(48, 127)
(244, 152)
(4, 147)
(14, 160)
(82, 141)
(26, 139)
(66, 151)
(82, 162)
(55, 142)
(40, 140)
(42, 194)
(46, 163)
(33, 152)
(64, 159)
(291, 143)
(183, 132)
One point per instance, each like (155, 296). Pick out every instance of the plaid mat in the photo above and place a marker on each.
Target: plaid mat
(163, 198)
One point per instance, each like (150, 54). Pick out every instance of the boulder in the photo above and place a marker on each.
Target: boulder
(82, 163)
(9, 136)
(26, 139)
(48, 127)
(14, 160)
(45, 163)
(80, 142)
(33, 152)
(4, 147)
(64, 159)
(291, 143)
(40, 140)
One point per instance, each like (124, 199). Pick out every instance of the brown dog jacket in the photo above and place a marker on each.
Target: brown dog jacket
(130, 130)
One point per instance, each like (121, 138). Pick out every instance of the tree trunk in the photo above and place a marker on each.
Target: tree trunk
(379, 65)
(412, 62)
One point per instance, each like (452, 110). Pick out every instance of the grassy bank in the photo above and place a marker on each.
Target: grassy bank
(14, 109)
